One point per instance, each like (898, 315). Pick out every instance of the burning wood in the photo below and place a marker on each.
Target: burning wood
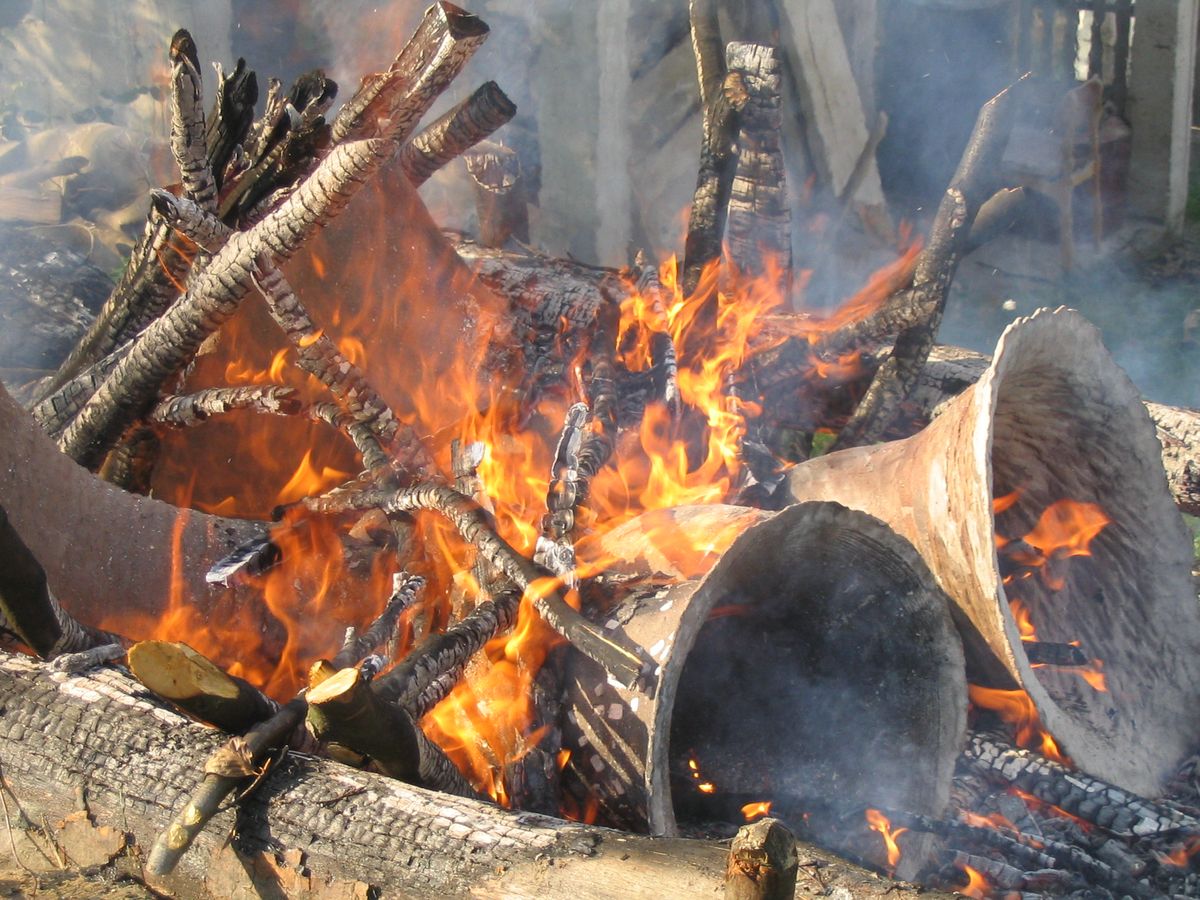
(626, 391)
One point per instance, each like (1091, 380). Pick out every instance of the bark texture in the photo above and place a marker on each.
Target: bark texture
(317, 828)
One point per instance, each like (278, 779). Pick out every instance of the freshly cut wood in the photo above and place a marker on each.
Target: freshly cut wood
(316, 828)
(177, 673)
(102, 548)
(1053, 419)
(344, 709)
(752, 617)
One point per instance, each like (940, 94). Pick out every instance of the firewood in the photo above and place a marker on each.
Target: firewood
(157, 266)
(230, 764)
(723, 96)
(231, 117)
(426, 675)
(445, 32)
(345, 710)
(762, 862)
(187, 123)
(190, 220)
(368, 445)
(56, 409)
(348, 826)
(629, 665)
(293, 137)
(554, 548)
(318, 355)
(187, 410)
(1113, 809)
(159, 261)
(758, 222)
(1000, 874)
(1024, 853)
(457, 131)
(500, 202)
(663, 354)
(215, 293)
(130, 464)
(177, 673)
(971, 185)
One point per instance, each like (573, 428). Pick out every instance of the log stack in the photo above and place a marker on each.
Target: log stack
(808, 656)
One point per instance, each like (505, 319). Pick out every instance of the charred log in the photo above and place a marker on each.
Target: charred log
(327, 815)
(971, 186)
(1113, 809)
(500, 200)
(456, 132)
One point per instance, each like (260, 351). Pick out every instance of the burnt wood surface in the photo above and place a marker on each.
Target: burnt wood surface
(319, 829)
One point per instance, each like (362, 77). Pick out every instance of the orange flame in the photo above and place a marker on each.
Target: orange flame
(977, 886)
(1016, 707)
(877, 821)
(486, 722)
(752, 811)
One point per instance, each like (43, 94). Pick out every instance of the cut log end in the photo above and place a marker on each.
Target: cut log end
(762, 863)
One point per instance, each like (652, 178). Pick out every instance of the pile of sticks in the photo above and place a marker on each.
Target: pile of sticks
(251, 193)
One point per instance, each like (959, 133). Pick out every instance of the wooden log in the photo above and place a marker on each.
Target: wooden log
(345, 710)
(335, 829)
(164, 347)
(102, 549)
(187, 410)
(177, 673)
(457, 131)
(762, 862)
(971, 186)
(231, 117)
(424, 677)
(722, 96)
(188, 131)
(1115, 810)
(758, 227)
(623, 661)
(500, 202)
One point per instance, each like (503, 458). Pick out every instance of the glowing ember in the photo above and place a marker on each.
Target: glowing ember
(877, 821)
(706, 787)
(752, 811)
